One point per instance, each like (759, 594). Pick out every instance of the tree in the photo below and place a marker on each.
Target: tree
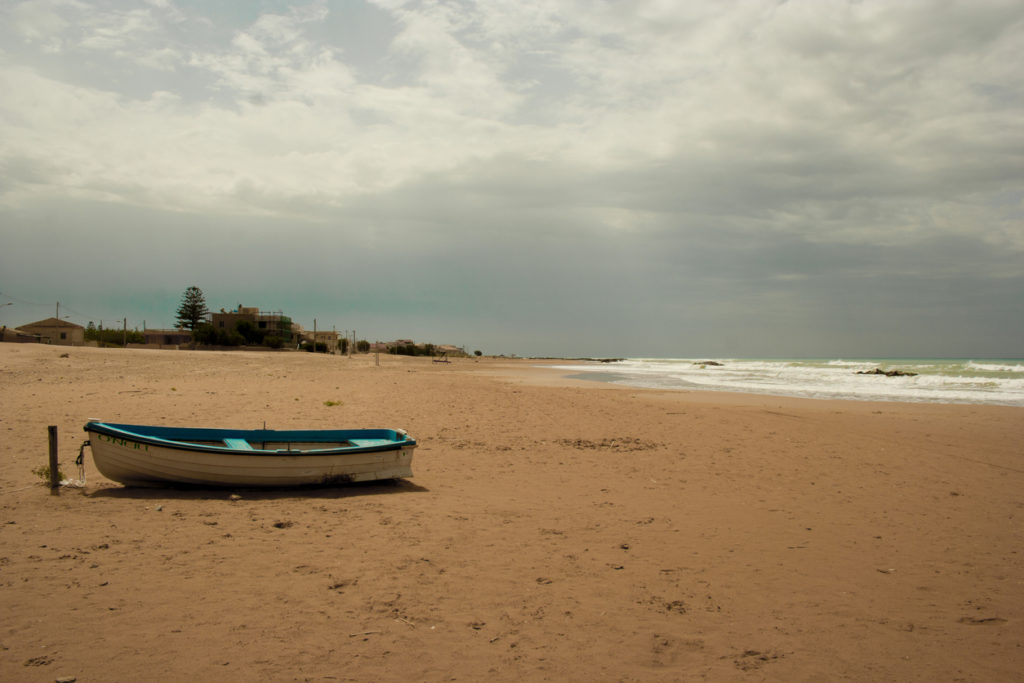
(251, 333)
(205, 333)
(192, 311)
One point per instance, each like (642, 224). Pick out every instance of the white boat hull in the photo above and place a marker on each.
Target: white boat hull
(136, 463)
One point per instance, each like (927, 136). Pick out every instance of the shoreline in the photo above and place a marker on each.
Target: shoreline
(554, 528)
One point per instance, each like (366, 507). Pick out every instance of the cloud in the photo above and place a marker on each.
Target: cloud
(772, 95)
(42, 22)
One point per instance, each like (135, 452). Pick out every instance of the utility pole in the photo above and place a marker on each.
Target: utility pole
(126, 333)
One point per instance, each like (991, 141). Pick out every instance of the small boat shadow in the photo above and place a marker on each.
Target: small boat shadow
(326, 492)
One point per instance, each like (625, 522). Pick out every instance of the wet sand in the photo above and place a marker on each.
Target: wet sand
(555, 530)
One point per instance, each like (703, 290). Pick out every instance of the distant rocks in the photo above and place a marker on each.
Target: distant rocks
(586, 359)
(705, 363)
(887, 373)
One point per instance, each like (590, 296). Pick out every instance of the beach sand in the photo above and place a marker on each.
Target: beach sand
(555, 530)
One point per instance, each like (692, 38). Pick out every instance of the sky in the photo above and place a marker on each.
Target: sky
(562, 178)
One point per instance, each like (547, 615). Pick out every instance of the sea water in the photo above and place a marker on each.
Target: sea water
(995, 382)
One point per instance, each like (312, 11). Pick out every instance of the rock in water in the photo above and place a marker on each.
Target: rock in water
(887, 373)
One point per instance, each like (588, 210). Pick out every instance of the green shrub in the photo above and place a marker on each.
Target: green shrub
(43, 472)
(113, 337)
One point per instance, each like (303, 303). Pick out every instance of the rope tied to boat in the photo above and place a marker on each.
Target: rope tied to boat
(80, 461)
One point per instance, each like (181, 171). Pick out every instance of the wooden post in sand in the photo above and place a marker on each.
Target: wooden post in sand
(54, 475)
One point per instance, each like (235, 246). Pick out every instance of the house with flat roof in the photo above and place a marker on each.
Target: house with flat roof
(272, 323)
(328, 338)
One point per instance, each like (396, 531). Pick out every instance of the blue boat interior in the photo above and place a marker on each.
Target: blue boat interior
(256, 440)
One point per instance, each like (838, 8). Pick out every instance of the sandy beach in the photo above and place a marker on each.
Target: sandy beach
(555, 530)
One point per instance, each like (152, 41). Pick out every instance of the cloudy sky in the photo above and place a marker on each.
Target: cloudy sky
(566, 177)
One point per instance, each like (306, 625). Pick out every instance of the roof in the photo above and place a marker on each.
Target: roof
(51, 322)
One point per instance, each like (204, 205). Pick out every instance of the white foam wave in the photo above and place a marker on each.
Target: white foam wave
(935, 381)
(995, 367)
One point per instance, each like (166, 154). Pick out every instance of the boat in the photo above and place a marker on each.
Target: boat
(142, 455)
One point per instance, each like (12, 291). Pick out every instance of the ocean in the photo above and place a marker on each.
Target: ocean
(987, 382)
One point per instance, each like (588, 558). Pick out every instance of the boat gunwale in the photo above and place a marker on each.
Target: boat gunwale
(123, 431)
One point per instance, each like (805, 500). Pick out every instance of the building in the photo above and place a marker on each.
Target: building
(10, 334)
(328, 338)
(275, 324)
(167, 337)
(272, 323)
(56, 331)
(228, 320)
